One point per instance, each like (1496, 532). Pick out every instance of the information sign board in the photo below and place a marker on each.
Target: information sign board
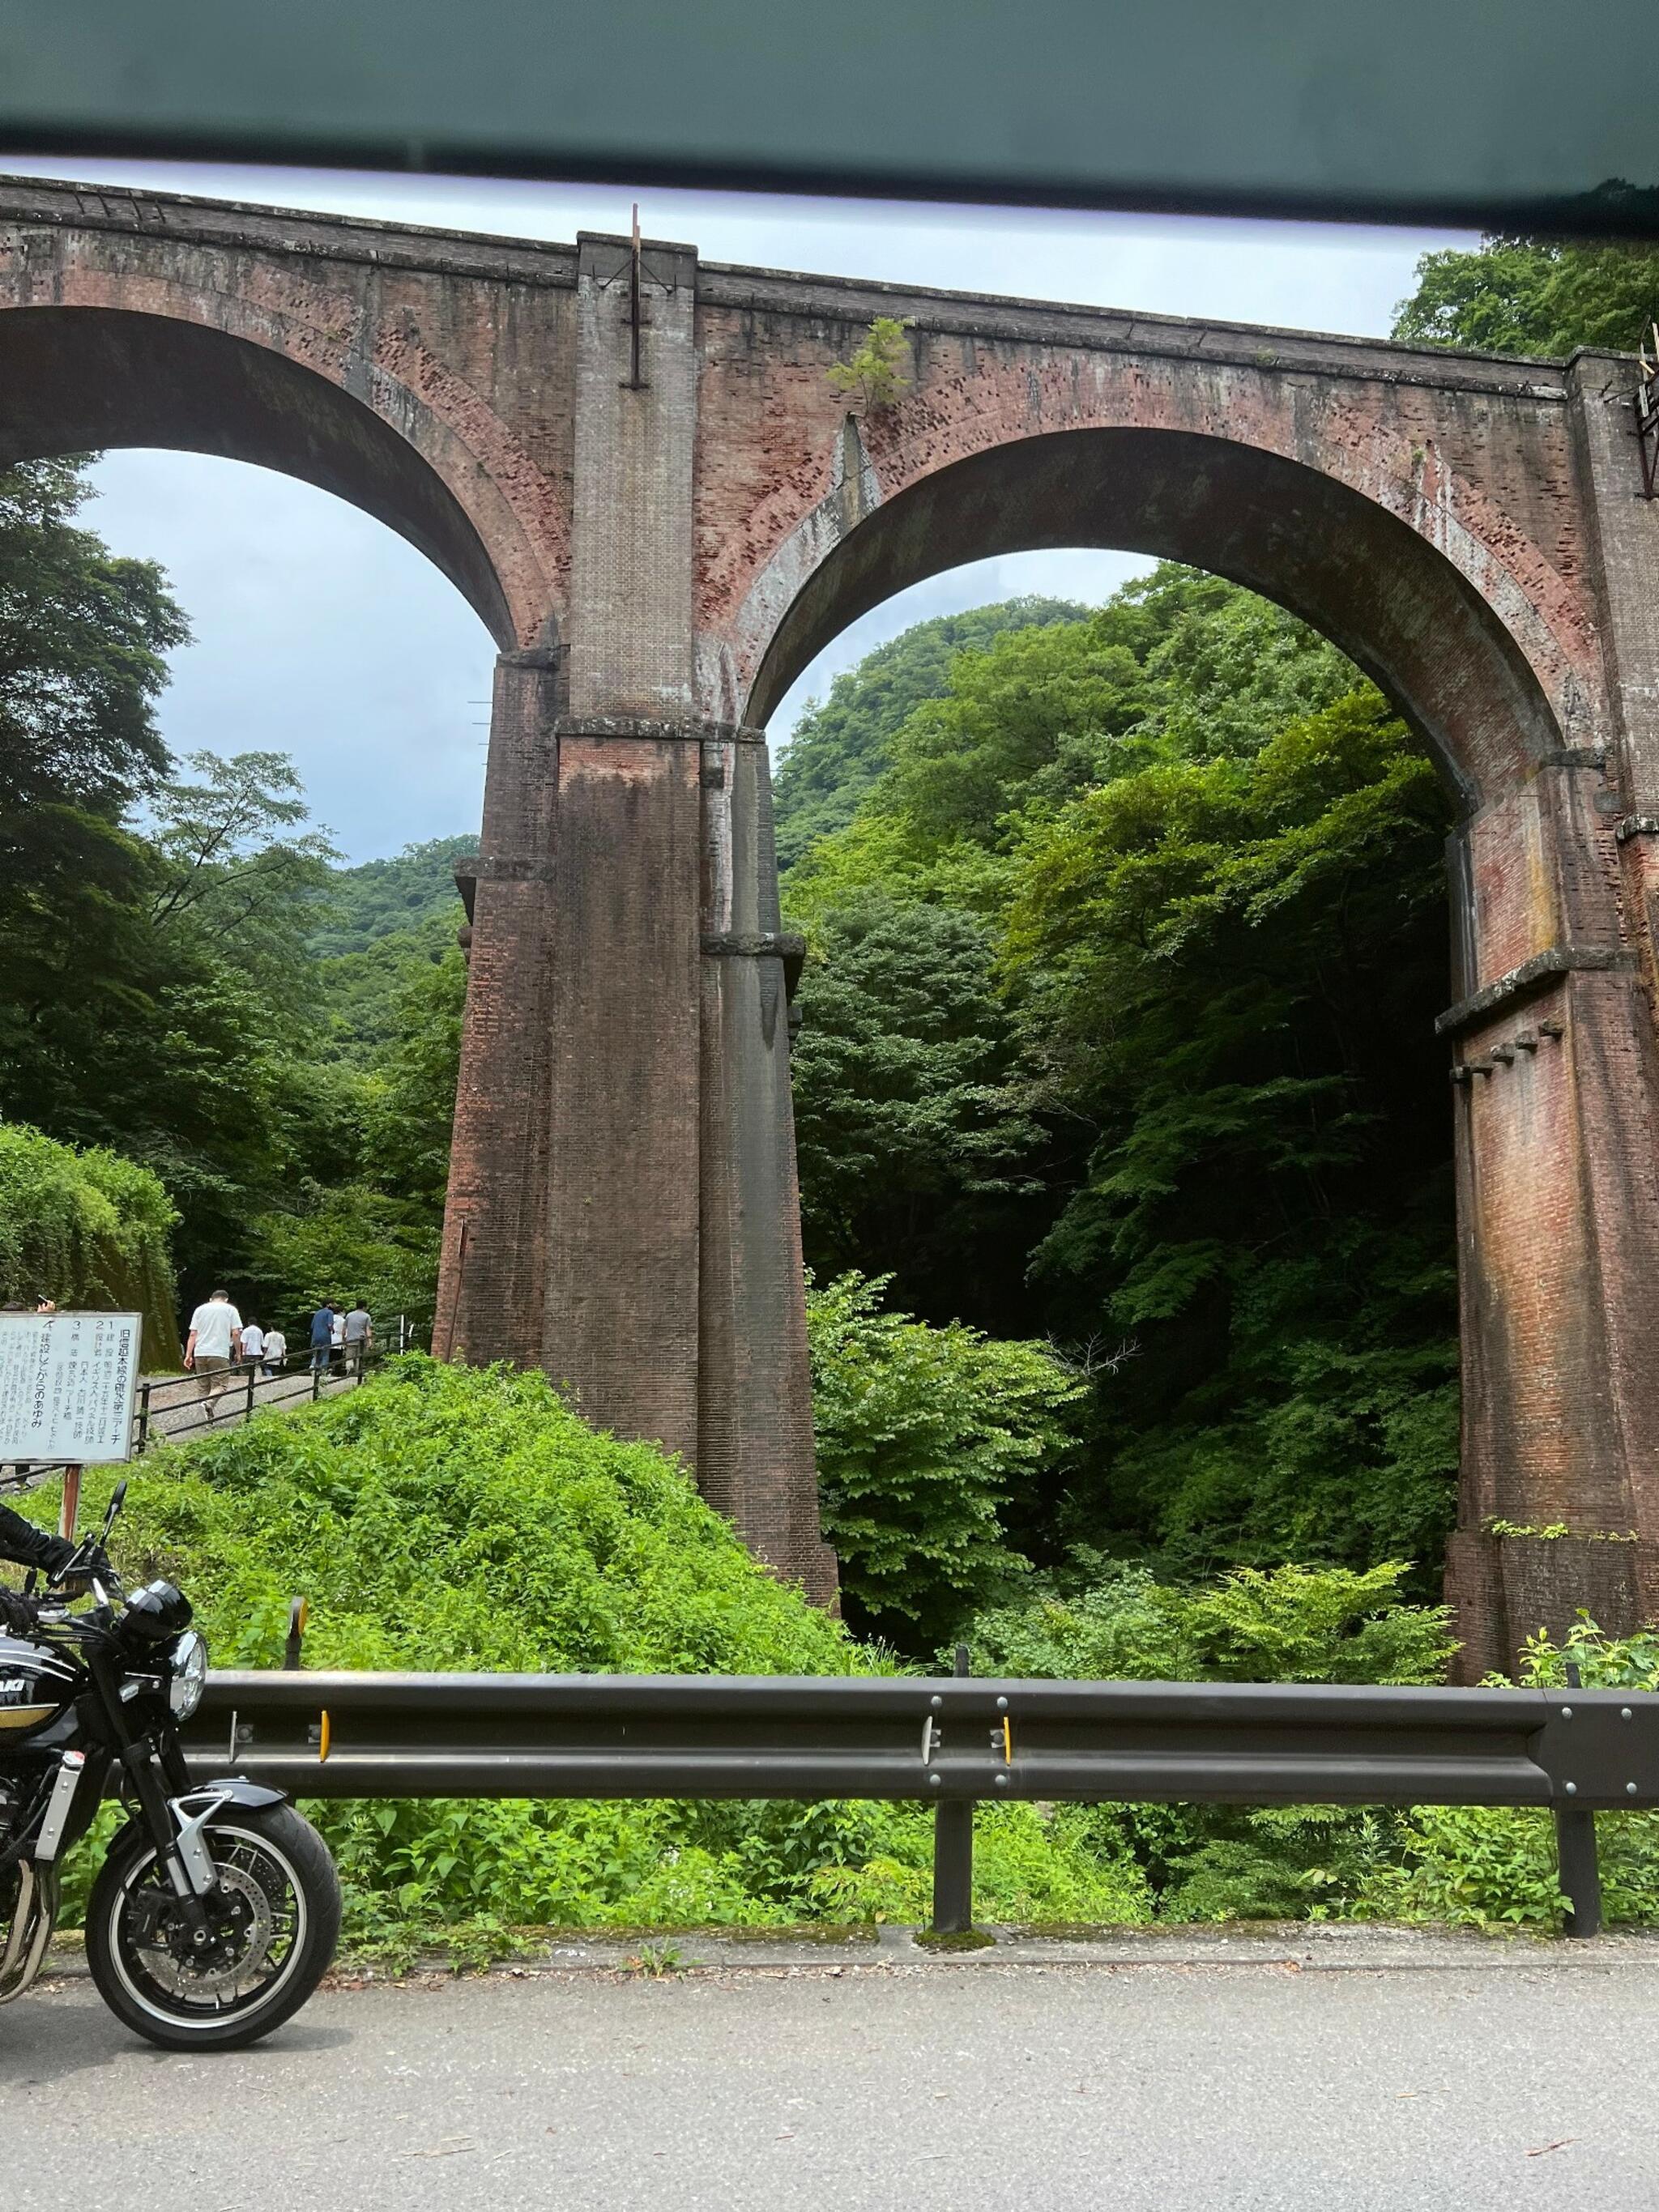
(67, 1385)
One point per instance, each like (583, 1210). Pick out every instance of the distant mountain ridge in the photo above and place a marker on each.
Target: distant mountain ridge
(379, 898)
(841, 744)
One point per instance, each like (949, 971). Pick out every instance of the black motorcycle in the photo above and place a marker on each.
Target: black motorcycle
(217, 1909)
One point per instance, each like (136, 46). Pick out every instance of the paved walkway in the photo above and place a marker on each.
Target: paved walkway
(177, 1404)
(1281, 2075)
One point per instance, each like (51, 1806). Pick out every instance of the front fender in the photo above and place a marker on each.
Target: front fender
(233, 1790)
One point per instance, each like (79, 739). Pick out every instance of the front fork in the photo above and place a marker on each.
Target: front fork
(180, 1839)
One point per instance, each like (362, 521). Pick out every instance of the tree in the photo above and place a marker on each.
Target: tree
(1233, 966)
(911, 1120)
(925, 1437)
(1535, 295)
(1175, 661)
(84, 638)
(875, 373)
(841, 746)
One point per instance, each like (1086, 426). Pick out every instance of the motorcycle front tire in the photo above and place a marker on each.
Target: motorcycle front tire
(279, 1834)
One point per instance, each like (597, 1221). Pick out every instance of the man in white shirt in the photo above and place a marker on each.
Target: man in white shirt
(215, 1340)
(253, 1343)
(275, 1351)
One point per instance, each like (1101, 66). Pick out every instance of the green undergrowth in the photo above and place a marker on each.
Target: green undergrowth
(449, 1518)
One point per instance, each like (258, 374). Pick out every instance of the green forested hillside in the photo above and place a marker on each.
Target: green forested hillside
(839, 744)
(389, 923)
(1118, 1029)
(380, 899)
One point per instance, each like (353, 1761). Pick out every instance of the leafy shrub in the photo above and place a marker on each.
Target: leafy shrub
(924, 1436)
(88, 1229)
(1492, 1868)
(1112, 1621)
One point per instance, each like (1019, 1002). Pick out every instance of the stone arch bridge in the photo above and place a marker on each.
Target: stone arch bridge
(635, 468)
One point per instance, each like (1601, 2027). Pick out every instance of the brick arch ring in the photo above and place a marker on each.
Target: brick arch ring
(414, 449)
(1443, 628)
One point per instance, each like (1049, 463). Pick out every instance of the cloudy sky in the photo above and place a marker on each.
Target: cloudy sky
(321, 633)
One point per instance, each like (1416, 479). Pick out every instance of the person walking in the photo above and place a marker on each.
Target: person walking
(322, 1336)
(275, 1351)
(215, 1340)
(253, 1343)
(336, 1333)
(359, 1335)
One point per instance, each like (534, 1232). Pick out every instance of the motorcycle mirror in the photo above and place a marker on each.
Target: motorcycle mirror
(118, 1499)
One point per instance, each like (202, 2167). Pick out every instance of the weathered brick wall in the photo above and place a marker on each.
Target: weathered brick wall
(658, 556)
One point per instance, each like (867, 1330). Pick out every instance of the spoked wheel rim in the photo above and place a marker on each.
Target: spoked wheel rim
(255, 1942)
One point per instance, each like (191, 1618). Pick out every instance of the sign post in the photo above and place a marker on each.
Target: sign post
(67, 1385)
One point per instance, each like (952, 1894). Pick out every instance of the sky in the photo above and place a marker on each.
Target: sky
(319, 632)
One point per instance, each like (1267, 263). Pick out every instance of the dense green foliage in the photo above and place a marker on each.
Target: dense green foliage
(840, 745)
(1102, 1619)
(924, 1436)
(1532, 295)
(914, 1121)
(187, 979)
(1128, 968)
(441, 1517)
(379, 900)
(85, 1229)
(456, 1519)
(388, 922)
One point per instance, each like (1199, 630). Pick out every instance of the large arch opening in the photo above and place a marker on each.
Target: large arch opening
(1324, 1087)
(82, 379)
(1398, 607)
(207, 993)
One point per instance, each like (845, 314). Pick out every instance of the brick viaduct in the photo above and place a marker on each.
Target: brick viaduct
(659, 541)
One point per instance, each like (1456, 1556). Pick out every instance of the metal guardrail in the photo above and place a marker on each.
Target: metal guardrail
(954, 1741)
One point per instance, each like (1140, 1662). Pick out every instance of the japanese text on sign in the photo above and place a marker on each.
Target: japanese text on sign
(67, 1383)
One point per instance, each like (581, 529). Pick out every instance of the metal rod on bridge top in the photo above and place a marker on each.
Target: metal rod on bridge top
(953, 1854)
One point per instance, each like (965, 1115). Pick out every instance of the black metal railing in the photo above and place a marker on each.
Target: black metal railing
(954, 1741)
(173, 1407)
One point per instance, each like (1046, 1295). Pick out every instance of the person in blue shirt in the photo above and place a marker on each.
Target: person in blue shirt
(322, 1338)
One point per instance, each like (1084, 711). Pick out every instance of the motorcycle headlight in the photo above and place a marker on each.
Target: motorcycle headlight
(155, 1612)
(188, 1667)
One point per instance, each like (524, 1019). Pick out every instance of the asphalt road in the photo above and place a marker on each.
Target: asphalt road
(1505, 2079)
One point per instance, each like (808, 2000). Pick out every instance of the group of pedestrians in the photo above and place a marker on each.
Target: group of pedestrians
(340, 1338)
(220, 1341)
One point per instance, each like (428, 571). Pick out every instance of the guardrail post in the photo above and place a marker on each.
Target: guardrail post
(143, 1416)
(1580, 1873)
(1577, 1865)
(953, 1854)
(299, 1613)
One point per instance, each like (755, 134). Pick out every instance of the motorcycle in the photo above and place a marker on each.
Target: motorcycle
(217, 1908)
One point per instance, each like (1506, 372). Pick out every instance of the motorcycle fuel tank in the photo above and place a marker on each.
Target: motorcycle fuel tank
(35, 1686)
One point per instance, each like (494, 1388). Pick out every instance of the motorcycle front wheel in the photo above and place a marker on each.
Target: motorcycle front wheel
(273, 1924)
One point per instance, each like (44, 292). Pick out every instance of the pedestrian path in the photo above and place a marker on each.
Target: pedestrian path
(173, 1406)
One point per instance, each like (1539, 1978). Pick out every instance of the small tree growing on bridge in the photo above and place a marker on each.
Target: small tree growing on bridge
(876, 371)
